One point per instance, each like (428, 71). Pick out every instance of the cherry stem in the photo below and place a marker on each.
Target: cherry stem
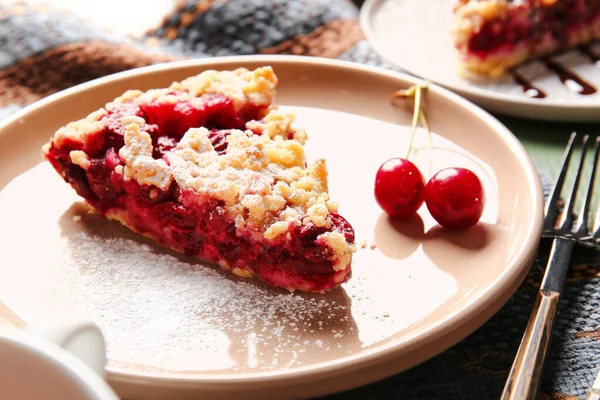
(416, 114)
(414, 92)
(426, 126)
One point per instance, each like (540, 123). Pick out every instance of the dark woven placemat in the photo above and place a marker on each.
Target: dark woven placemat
(43, 51)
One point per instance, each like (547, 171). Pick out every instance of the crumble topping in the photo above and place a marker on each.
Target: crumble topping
(278, 123)
(241, 86)
(77, 131)
(137, 154)
(78, 157)
(126, 97)
(258, 176)
(257, 86)
(338, 243)
(243, 273)
(487, 9)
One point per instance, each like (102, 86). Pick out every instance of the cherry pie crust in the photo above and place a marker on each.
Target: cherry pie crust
(494, 35)
(211, 168)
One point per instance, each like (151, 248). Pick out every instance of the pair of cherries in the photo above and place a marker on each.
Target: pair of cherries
(454, 196)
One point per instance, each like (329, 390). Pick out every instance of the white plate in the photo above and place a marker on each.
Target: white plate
(415, 36)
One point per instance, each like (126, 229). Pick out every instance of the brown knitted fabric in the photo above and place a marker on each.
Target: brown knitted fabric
(329, 40)
(66, 66)
(185, 13)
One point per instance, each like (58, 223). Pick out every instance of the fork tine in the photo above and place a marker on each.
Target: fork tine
(552, 203)
(582, 219)
(566, 219)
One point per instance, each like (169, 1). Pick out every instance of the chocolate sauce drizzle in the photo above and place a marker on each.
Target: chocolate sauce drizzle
(569, 79)
(528, 87)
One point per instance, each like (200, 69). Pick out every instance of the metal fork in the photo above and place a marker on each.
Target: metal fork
(559, 224)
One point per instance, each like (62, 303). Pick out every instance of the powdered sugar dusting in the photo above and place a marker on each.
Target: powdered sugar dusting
(170, 314)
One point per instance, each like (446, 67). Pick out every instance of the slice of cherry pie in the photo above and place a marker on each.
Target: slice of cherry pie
(494, 35)
(211, 168)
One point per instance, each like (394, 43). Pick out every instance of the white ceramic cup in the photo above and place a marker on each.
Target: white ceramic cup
(65, 362)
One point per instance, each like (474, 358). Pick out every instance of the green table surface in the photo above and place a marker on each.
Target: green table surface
(545, 141)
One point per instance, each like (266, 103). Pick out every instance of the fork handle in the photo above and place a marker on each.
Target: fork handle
(524, 376)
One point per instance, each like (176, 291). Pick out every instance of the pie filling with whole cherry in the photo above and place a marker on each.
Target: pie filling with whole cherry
(495, 35)
(211, 168)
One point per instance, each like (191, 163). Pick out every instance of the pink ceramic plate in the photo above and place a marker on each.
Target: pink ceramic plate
(178, 329)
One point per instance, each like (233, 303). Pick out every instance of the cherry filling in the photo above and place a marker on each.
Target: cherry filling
(181, 220)
(557, 22)
(166, 124)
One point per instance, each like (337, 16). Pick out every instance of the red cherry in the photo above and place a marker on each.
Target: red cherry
(455, 198)
(399, 188)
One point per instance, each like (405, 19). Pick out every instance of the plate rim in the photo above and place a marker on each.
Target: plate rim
(483, 95)
(511, 277)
